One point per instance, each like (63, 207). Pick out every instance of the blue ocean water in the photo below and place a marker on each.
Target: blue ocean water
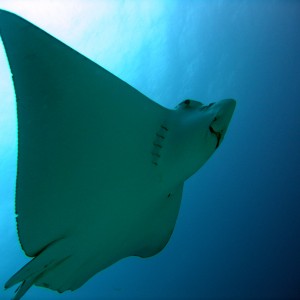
(238, 231)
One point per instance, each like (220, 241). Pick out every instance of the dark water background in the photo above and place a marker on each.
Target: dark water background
(238, 232)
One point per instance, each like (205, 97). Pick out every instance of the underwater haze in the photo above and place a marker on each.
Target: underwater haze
(238, 231)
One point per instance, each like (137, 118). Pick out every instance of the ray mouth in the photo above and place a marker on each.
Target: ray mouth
(217, 134)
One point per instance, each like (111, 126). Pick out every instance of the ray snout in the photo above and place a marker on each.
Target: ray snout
(223, 113)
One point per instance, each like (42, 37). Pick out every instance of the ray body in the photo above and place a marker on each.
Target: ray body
(101, 167)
